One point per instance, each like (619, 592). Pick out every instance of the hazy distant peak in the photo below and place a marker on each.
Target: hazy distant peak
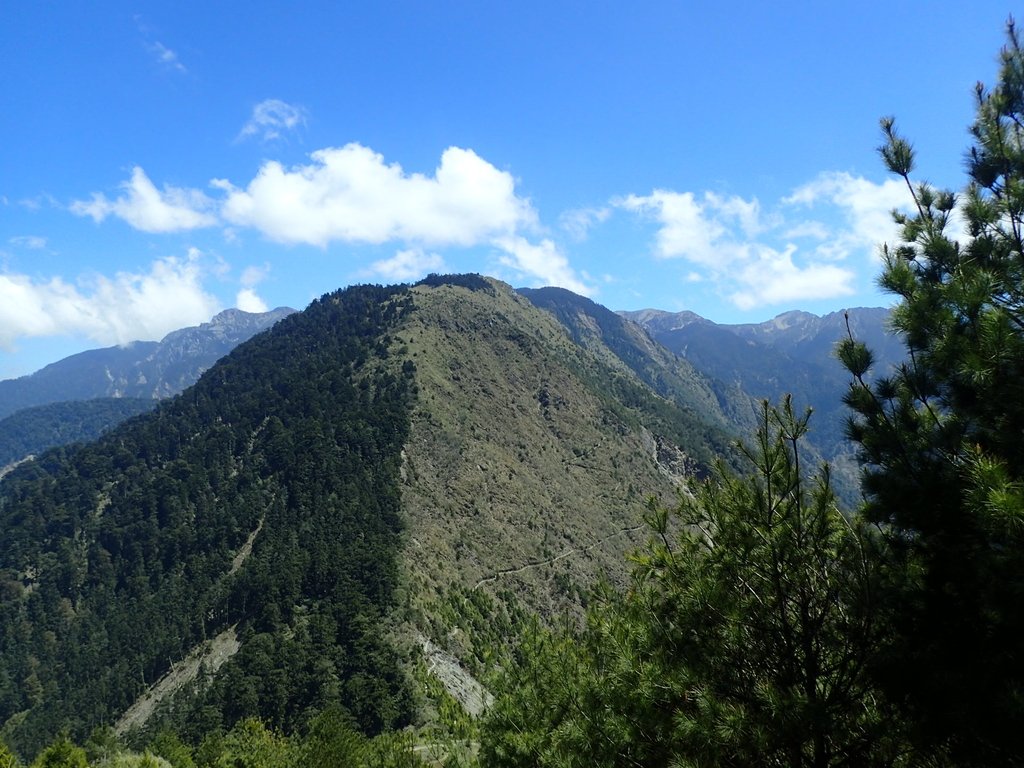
(662, 321)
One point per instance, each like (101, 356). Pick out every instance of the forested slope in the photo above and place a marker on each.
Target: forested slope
(117, 558)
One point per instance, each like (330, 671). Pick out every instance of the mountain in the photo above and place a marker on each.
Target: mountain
(140, 369)
(34, 430)
(806, 336)
(604, 332)
(390, 470)
(792, 353)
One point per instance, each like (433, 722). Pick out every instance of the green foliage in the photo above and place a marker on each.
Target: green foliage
(470, 281)
(168, 745)
(941, 444)
(120, 557)
(744, 640)
(667, 394)
(34, 430)
(7, 758)
(250, 744)
(61, 754)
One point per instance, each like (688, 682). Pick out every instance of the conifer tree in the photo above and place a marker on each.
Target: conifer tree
(744, 640)
(942, 438)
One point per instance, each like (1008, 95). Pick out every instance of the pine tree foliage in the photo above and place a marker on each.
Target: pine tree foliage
(941, 438)
(744, 640)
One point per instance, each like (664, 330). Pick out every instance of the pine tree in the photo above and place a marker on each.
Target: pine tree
(942, 438)
(744, 641)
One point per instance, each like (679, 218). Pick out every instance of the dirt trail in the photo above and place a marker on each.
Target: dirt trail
(567, 553)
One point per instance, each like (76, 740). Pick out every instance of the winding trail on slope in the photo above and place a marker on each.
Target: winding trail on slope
(538, 563)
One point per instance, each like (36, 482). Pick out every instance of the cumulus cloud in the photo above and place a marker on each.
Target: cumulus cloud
(248, 300)
(149, 209)
(406, 266)
(271, 118)
(350, 194)
(542, 261)
(687, 228)
(108, 310)
(772, 278)
(750, 254)
(866, 208)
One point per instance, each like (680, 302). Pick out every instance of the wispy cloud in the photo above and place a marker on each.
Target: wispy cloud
(165, 57)
(32, 242)
(580, 221)
(271, 118)
(865, 207)
(404, 266)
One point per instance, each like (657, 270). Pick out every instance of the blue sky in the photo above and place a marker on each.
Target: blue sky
(162, 161)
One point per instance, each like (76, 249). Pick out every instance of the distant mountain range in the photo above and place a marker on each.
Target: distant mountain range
(80, 397)
(140, 369)
(790, 354)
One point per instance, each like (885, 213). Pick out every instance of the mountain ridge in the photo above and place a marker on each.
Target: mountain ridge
(140, 369)
(402, 463)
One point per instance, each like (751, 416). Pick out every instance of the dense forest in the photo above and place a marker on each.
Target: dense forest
(32, 430)
(762, 625)
(129, 548)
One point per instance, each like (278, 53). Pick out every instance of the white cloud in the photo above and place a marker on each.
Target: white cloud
(350, 194)
(407, 265)
(749, 254)
(813, 230)
(151, 210)
(866, 208)
(248, 301)
(254, 275)
(686, 230)
(271, 117)
(108, 310)
(580, 221)
(772, 278)
(543, 262)
(33, 242)
(165, 56)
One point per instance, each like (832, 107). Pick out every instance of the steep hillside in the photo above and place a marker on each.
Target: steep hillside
(621, 342)
(141, 369)
(262, 503)
(389, 470)
(34, 430)
(530, 457)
